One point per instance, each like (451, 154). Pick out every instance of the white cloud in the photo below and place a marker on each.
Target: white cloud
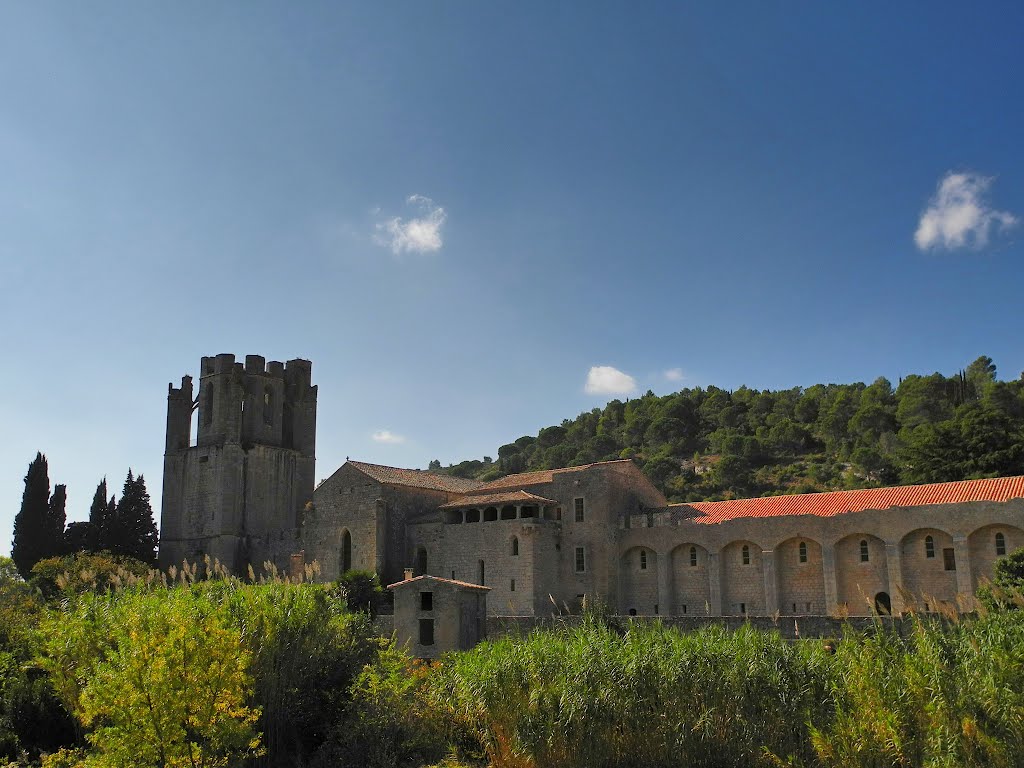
(388, 437)
(605, 380)
(674, 374)
(421, 234)
(958, 216)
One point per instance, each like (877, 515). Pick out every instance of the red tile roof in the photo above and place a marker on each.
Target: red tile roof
(833, 503)
(455, 582)
(415, 478)
(493, 499)
(536, 478)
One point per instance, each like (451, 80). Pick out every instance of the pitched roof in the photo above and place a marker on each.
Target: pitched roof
(833, 503)
(493, 499)
(415, 478)
(454, 582)
(543, 476)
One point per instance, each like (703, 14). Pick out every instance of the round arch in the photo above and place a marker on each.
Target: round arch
(800, 577)
(742, 579)
(984, 548)
(638, 580)
(862, 571)
(928, 564)
(691, 587)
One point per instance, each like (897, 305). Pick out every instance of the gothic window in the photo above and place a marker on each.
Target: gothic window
(863, 550)
(803, 551)
(1000, 545)
(693, 557)
(643, 559)
(346, 551)
(515, 546)
(746, 555)
(929, 547)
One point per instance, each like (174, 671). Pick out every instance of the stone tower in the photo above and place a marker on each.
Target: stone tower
(237, 492)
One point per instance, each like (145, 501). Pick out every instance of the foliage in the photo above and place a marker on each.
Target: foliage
(39, 525)
(362, 591)
(132, 531)
(710, 443)
(83, 572)
(159, 676)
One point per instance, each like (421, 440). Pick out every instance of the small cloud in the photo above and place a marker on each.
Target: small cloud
(388, 437)
(958, 216)
(674, 374)
(421, 234)
(605, 380)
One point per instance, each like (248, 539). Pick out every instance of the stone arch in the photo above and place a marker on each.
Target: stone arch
(691, 587)
(639, 586)
(982, 548)
(345, 552)
(472, 515)
(925, 579)
(800, 577)
(858, 580)
(490, 514)
(742, 582)
(508, 512)
(420, 567)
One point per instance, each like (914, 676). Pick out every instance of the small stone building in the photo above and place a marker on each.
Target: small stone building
(435, 615)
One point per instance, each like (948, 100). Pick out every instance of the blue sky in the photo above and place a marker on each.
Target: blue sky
(462, 213)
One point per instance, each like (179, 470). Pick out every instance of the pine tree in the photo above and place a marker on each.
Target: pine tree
(32, 530)
(132, 531)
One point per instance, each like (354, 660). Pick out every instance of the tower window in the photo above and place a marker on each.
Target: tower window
(268, 406)
(929, 547)
(578, 504)
(515, 546)
(480, 566)
(863, 550)
(803, 553)
(746, 555)
(1000, 545)
(208, 405)
(643, 559)
(693, 557)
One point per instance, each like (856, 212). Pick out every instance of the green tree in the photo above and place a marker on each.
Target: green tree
(33, 525)
(132, 531)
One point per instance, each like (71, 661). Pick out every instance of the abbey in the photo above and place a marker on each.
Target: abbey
(543, 541)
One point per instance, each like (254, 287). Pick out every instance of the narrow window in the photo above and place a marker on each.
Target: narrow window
(453, 575)
(863, 550)
(426, 601)
(268, 406)
(794, 607)
(929, 547)
(208, 405)
(949, 559)
(746, 555)
(684, 609)
(743, 608)
(346, 551)
(579, 509)
(1000, 545)
(581, 560)
(421, 561)
(643, 559)
(426, 631)
(480, 564)
(655, 609)
(693, 557)
(512, 586)
(558, 513)
(803, 551)
(515, 546)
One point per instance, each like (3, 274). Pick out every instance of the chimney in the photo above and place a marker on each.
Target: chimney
(408, 574)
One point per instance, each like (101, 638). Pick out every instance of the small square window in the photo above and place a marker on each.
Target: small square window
(581, 560)
(578, 504)
(426, 601)
(426, 631)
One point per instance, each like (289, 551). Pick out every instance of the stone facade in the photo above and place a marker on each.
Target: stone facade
(433, 615)
(542, 541)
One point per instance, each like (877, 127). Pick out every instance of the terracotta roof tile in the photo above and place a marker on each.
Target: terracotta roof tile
(493, 499)
(537, 478)
(415, 478)
(833, 503)
(443, 581)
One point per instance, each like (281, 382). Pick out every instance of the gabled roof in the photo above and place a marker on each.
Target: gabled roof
(537, 478)
(493, 499)
(833, 503)
(414, 478)
(453, 582)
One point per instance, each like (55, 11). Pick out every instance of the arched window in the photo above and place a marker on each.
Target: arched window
(746, 555)
(421, 561)
(863, 550)
(929, 547)
(803, 551)
(346, 551)
(1000, 545)
(268, 406)
(472, 515)
(643, 559)
(515, 545)
(693, 557)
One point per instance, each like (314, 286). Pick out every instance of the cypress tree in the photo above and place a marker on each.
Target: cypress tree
(32, 530)
(134, 530)
(57, 518)
(98, 518)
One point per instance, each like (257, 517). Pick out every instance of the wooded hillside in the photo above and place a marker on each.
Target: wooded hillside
(706, 444)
